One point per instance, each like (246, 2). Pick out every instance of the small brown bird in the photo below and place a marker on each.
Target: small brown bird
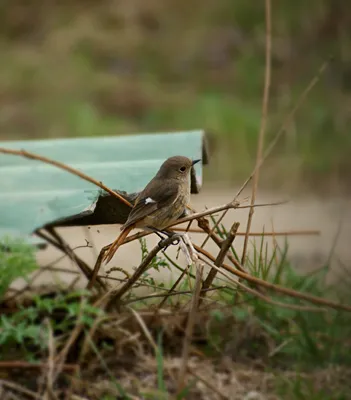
(161, 203)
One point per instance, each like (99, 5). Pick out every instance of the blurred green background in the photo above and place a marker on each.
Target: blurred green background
(82, 68)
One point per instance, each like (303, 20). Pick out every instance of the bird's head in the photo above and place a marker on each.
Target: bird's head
(177, 167)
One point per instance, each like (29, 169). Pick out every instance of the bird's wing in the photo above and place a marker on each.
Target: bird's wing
(155, 196)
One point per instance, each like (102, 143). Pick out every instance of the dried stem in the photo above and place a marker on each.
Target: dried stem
(67, 168)
(173, 293)
(225, 246)
(172, 289)
(116, 295)
(287, 122)
(315, 79)
(207, 384)
(20, 389)
(267, 83)
(190, 327)
(62, 246)
(15, 364)
(306, 232)
(262, 296)
(185, 219)
(94, 275)
(279, 289)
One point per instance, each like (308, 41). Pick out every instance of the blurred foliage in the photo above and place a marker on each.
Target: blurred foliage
(112, 67)
(17, 260)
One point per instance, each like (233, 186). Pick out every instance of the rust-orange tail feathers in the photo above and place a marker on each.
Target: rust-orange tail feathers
(112, 250)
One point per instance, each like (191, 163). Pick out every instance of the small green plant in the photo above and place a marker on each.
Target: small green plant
(303, 388)
(304, 337)
(25, 327)
(17, 260)
(157, 262)
(296, 336)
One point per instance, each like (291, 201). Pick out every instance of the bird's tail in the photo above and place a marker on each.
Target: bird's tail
(120, 239)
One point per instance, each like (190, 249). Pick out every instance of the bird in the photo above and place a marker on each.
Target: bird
(163, 200)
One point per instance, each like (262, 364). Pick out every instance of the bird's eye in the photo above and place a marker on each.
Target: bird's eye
(182, 169)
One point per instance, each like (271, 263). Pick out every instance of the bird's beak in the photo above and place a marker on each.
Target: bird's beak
(196, 161)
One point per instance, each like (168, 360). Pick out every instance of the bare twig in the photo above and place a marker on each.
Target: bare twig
(17, 364)
(177, 266)
(262, 296)
(61, 357)
(57, 242)
(173, 293)
(97, 266)
(287, 121)
(144, 328)
(49, 372)
(116, 295)
(203, 223)
(71, 170)
(90, 335)
(189, 328)
(213, 210)
(172, 289)
(210, 232)
(199, 215)
(233, 204)
(315, 79)
(20, 389)
(306, 232)
(336, 236)
(220, 258)
(207, 384)
(271, 286)
(267, 83)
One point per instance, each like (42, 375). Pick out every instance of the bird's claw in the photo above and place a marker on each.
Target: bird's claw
(175, 241)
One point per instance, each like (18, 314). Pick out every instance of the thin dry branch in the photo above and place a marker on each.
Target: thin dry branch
(207, 384)
(116, 295)
(169, 293)
(94, 276)
(210, 211)
(233, 204)
(225, 246)
(37, 157)
(49, 371)
(307, 232)
(172, 289)
(32, 156)
(204, 224)
(191, 217)
(315, 79)
(272, 286)
(267, 83)
(190, 327)
(20, 389)
(58, 242)
(262, 296)
(61, 357)
(17, 364)
(287, 121)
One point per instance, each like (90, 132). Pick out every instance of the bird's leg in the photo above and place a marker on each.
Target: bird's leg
(158, 233)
